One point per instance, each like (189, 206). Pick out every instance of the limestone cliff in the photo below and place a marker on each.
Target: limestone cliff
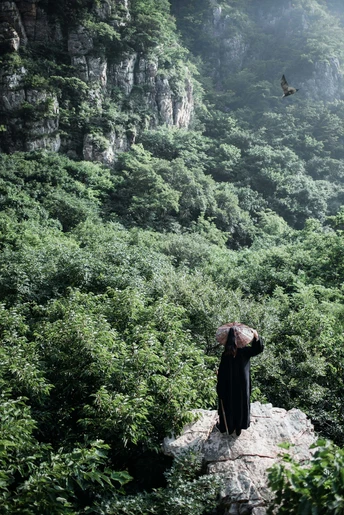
(71, 80)
(86, 77)
(243, 461)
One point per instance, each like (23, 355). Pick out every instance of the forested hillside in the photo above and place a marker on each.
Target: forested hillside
(154, 184)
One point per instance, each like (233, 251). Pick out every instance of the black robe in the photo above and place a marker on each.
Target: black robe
(234, 387)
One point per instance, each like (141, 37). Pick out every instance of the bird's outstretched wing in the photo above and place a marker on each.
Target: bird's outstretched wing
(284, 84)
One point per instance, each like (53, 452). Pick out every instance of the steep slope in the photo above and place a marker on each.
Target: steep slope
(291, 148)
(248, 45)
(88, 79)
(84, 78)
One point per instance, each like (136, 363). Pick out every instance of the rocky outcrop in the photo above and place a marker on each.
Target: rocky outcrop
(326, 81)
(233, 46)
(9, 38)
(29, 115)
(104, 150)
(137, 77)
(11, 21)
(123, 73)
(123, 79)
(243, 460)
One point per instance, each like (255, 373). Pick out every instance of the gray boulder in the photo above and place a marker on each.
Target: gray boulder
(243, 460)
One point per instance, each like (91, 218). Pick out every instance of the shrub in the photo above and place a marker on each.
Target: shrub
(313, 488)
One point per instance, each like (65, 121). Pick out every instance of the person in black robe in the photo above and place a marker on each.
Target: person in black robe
(234, 384)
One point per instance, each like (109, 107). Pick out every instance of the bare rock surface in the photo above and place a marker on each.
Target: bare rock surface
(243, 460)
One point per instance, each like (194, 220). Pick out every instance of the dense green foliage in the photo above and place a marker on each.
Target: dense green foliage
(315, 487)
(186, 491)
(113, 280)
(109, 331)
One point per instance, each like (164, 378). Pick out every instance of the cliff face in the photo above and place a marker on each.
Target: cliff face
(320, 75)
(72, 84)
(271, 38)
(86, 77)
(23, 108)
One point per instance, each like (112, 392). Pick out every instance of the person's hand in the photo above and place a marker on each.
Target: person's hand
(255, 334)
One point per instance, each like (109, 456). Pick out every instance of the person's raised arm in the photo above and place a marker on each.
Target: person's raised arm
(257, 346)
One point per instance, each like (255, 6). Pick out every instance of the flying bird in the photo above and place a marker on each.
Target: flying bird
(287, 90)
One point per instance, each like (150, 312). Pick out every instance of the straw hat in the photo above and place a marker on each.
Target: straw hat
(243, 334)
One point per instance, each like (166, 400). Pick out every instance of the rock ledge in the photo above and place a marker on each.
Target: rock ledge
(243, 461)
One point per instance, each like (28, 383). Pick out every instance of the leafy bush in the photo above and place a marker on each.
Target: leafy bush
(187, 491)
(46, 184)
(305, 489)
(34, 479)
(120, 368)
